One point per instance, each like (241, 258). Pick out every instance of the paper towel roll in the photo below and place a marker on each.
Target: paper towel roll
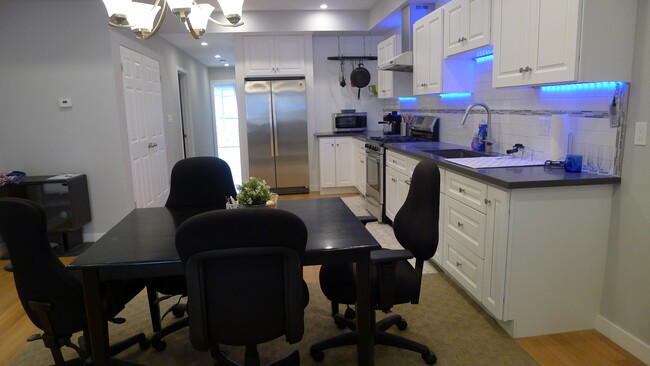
(560, 129)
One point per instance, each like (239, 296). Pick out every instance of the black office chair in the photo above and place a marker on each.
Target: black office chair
(393, 279)
(244, 280)
(51, 295)
(197, 184)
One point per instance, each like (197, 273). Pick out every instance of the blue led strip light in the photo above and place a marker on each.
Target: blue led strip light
(484, 58)
(407, 99)
(455, 95)
(604, 85)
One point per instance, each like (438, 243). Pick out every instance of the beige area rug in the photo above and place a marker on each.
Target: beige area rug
(383, 233)
(446, 320)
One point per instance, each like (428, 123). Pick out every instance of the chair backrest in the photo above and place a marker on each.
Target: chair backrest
(38, 273)
(416, 222)
(244, 276)
(200, 182)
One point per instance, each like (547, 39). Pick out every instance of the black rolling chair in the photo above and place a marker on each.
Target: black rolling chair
(197, 184)
(244, 280)
(393, 279)
(51, 295)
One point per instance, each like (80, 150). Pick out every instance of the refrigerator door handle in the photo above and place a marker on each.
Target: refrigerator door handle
(274, 138)
(272, 129)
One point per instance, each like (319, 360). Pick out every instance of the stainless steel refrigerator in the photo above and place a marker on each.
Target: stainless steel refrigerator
(276, 120)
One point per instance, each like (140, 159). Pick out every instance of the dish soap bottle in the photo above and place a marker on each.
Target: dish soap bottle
(481, 136)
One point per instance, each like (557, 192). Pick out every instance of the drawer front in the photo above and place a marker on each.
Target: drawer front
(465, 267)
(397, 161)
(465, 225)
(466, 190)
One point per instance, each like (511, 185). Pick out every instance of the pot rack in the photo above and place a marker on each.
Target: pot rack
(341, 58)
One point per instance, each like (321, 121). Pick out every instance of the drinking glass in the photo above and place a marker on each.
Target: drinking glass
(606, 160)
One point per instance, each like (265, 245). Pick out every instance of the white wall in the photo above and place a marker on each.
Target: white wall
(78, 57)
(221, 73)
(626, 299)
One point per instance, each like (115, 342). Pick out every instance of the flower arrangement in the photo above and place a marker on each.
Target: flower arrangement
(253, 191)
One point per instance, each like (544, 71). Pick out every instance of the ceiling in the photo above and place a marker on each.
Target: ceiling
(220, 40)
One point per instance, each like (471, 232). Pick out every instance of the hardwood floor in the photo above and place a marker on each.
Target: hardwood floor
(584, 348)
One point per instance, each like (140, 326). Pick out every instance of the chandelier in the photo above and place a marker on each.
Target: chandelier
(144, 19)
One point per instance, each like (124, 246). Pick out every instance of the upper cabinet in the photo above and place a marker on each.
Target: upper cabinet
(467, 25)
(555, 41)
(274, 55)
(431, 73)
(386, 50)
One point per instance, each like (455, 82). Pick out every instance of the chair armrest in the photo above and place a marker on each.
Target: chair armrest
(389, 256)
(366, 219)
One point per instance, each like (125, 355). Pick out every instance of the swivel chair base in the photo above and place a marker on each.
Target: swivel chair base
(252, 358)
(55, 348)
(380, 337)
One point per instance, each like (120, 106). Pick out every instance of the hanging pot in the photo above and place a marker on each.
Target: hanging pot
(360, 78)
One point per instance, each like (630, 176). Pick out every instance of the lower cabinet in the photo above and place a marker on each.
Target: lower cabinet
(517, 252)
(360, 166)
(336, 163)
(398, 171)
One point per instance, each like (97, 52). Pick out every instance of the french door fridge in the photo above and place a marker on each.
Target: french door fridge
(276, 121)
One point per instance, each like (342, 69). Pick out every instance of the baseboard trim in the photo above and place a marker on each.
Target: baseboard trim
(623, 338)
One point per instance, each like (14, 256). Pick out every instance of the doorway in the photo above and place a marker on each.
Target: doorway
(226, 120)
(184, 106)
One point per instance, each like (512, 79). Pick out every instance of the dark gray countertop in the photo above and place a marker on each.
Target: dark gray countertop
(509, 178)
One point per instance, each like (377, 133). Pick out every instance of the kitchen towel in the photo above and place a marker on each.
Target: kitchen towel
(562, 127)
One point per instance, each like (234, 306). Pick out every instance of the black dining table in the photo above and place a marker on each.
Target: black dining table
(142, 245)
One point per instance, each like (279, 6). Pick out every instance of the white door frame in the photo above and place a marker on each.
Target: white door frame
(184, 106)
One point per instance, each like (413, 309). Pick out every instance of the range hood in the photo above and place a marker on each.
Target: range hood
(404, 61)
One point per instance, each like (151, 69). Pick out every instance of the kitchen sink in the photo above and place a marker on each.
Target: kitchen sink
(456, 153)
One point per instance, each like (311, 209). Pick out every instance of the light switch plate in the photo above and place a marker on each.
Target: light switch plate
(640, 133)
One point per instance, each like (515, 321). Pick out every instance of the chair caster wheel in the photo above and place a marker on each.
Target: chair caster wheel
(159, 346)
(317, 356)
(339, 323)
(178, 313)
(429, 358)
(350, 314)
(402, 324)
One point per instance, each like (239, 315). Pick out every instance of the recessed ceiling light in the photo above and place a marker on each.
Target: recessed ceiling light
(323, 6)
(217, 56)
(204, 43)
(222, 61)
(226, 65)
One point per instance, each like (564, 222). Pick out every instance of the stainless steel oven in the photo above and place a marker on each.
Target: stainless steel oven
(375, 180)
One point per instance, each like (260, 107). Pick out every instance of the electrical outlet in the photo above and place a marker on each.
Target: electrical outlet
(640, 133)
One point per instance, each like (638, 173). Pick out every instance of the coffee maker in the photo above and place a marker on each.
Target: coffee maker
(392, 123)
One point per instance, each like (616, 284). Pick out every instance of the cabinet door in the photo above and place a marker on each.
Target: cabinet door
(259, 56)
(390, 205)
(554, 41)
(511, 42)
(327, 151)
(289, 55)
(464, 266)
(496, 245)
(344, 162)
(478, 24)
(433, 83)
(360, 172)
(385, 51)
(403, 185)
(455, 26)
(420, 55)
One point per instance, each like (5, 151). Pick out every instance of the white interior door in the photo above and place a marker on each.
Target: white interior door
(144, 119)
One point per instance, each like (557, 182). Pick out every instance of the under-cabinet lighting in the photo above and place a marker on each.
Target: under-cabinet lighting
(407, 99)
(484, 58)
(603, 85)
(455, 95)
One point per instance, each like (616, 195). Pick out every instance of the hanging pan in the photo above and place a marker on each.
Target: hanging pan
(360, 78)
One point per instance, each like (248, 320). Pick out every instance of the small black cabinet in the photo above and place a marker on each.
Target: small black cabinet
(65, 201)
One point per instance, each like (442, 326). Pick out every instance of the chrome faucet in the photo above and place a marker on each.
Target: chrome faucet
(489, 119)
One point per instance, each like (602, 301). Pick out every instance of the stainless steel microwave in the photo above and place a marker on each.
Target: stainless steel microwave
(344, 122)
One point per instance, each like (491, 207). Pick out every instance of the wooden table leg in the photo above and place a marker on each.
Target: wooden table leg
(97, 321)
(365, 324)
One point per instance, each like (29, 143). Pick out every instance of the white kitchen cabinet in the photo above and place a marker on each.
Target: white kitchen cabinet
(431, 73)
(360, 166)
(517, 252)
(336, 162)
(399, 170)
(546, 42)
(391, 84)
(467, 25)
(274, 55)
